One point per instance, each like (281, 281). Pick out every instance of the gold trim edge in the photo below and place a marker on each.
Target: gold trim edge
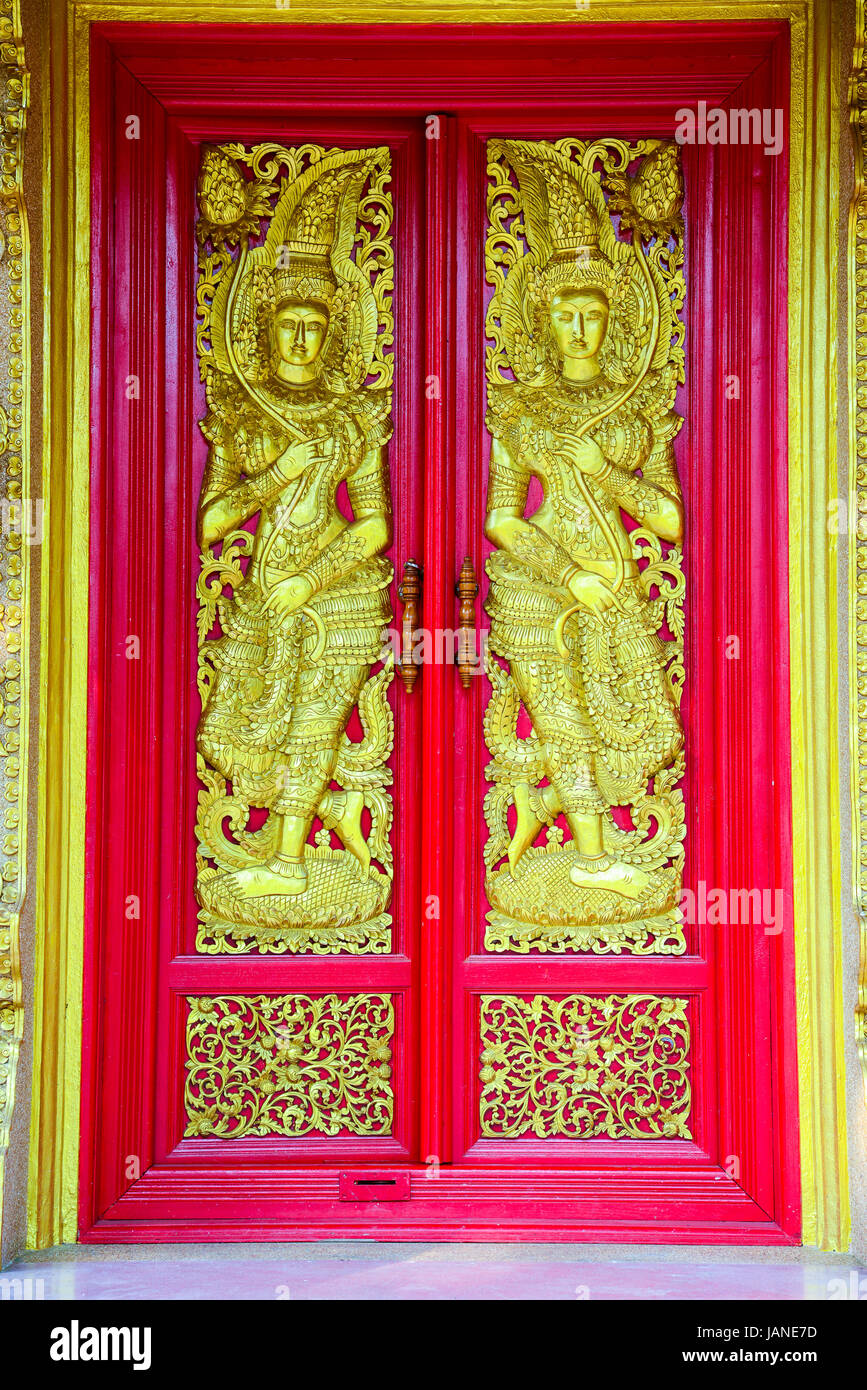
(857, 384)
(413, 12)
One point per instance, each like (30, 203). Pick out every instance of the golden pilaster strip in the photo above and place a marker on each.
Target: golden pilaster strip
(19, 529)
(813, 214)
(858, 509)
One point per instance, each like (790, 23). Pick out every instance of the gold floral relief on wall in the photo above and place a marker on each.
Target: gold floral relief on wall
(294, 337)
(584, 1068)
(289, 1065)
(21, 528)
(585, 353)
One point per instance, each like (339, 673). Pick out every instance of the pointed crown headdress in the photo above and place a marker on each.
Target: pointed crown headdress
(306, 255)
(571, 244)
(305, 270)
(566, 222)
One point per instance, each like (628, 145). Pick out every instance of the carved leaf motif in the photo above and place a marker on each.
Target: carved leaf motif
(290, 1065)
(580, 1067)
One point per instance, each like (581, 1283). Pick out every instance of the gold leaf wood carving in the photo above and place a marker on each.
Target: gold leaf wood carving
(15, 550)
(584, 1068)
(294, 336)
(290, 1065)
(583, 363)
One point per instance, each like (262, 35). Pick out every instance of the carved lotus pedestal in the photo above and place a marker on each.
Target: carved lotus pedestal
(541, 909)
(341, 909)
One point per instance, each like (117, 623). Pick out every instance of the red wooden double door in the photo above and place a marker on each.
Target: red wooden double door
(454, 1082)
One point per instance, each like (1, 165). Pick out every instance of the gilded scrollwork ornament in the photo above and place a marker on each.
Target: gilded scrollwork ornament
(294, 337)
(614, 1067)
(15, 562)
(584, 358)
(289, 1065)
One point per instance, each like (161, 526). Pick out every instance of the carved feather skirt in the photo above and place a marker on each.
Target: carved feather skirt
(615, 669)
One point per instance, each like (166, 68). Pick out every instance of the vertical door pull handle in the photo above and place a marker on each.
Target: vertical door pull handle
(466, 591)
(409, 593)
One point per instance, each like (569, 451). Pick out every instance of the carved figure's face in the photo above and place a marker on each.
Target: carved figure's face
(580, 320)
(299, 334)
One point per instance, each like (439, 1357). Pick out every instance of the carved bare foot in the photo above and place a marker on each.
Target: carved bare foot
(348, 827)
(613, 876)
(527, 826)
(280, 876)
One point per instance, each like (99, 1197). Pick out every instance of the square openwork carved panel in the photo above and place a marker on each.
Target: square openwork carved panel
(584, 1068)
(289, 1065)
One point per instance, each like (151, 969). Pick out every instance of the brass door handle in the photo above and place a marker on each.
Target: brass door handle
(409, 593)
(466, 591)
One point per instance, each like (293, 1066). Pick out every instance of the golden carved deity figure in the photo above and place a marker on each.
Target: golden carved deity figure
(294, 586)
(584, 509)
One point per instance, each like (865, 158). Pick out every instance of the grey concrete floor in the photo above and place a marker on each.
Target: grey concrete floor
(373, 1271)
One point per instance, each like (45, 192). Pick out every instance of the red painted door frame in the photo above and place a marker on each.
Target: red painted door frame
(139, 1179)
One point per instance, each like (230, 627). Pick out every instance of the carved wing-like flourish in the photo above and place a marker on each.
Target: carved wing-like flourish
(635, 187)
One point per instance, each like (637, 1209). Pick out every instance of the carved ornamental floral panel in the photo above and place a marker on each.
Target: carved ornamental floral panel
(582, 1067)
(289, 1065)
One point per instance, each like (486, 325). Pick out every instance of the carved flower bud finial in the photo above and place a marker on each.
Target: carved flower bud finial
(650, 200)
(229, 205)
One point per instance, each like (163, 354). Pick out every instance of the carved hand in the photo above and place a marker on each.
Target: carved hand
(583, 454)
(302, 454)
(593, 592)
(289, 595)
(294, 459)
